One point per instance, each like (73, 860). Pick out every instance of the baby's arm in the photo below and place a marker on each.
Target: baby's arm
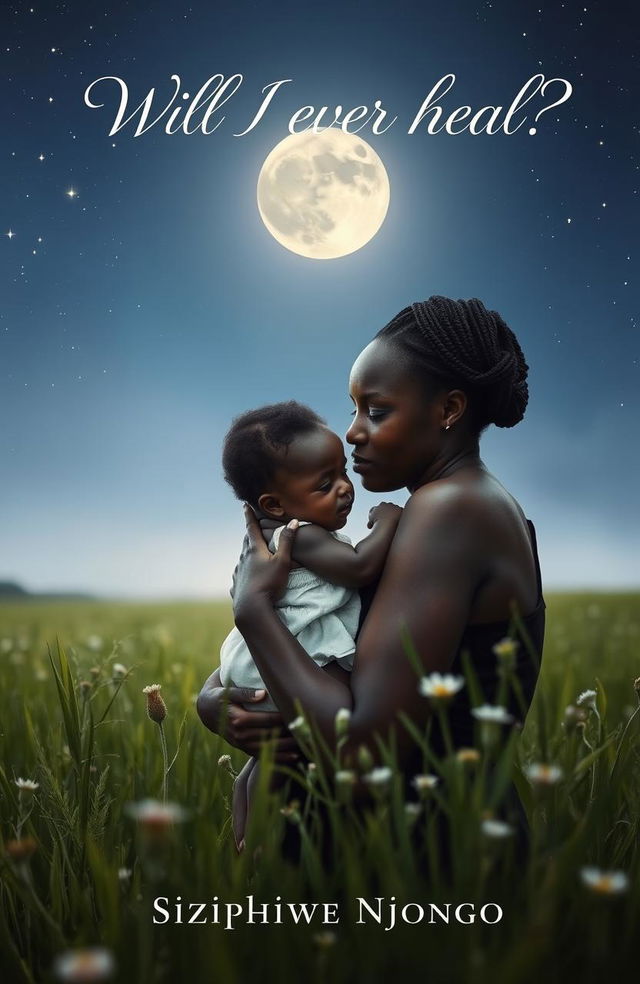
(340, 563)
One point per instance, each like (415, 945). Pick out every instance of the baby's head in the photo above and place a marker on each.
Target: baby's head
(287, 464)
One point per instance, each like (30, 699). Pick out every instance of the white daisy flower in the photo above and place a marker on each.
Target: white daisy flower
(381, 776)
(94, 642)
(492, 714)
(604, 882)
(26, 785)
(506, 649)
(300, 725)
(85, 966)
(412, 811)
(153, 815)
(440, 686)
(541, 774)
(224, 762)
(496, 829)
(587, 699)
(345, 777)
(424, 783)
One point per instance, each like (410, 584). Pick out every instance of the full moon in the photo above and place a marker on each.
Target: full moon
(323, 195)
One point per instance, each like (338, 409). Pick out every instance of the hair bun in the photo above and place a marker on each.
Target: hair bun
(463, 342)
(505, 381)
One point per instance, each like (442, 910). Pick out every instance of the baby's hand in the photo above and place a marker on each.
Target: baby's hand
(385, 512)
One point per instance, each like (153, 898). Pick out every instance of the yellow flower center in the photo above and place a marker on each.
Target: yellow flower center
(604, 885)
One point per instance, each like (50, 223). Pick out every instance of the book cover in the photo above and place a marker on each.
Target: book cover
(209, 208)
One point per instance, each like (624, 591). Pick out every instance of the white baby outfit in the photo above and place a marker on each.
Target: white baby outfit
(322, 616)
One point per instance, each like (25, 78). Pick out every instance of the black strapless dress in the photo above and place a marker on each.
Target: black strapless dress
(477, 643)
(476, 646)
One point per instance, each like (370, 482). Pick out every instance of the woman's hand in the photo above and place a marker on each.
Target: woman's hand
(220, 710)
(261, 575)
(267, 526)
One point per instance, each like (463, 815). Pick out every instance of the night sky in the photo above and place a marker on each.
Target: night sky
(143, 303)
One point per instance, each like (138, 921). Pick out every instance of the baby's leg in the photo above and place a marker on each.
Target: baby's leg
(245, 789)
(240, 802)
(276, 782)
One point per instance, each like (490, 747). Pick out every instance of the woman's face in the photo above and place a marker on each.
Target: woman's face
(396, 431)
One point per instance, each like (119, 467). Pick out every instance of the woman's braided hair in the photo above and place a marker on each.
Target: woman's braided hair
(466, 346)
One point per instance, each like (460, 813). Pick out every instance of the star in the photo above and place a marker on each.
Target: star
(41, 157)
(10, 234)
(72, 193)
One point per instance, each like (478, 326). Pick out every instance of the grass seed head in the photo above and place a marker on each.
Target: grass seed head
(343, 717)
(292, 812)
(468, 756)
(21, 850)
(156, 707)
(573, 716)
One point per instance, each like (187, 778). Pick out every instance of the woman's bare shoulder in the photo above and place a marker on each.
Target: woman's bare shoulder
(474, 501)
(446, 501)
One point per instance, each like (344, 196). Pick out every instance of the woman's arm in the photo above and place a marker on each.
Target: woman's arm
(429, 580)
(220, 710)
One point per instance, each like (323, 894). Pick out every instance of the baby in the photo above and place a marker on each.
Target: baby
(287, 464)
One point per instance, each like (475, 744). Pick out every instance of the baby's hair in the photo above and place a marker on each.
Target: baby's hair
(463, 345)
(257, 441)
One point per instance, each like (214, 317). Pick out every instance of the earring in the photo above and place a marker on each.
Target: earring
(447, 426)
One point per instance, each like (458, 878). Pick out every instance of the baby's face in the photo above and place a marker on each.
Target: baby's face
(312, 484)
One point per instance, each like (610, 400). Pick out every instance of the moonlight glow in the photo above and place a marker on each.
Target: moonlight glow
(323, 195)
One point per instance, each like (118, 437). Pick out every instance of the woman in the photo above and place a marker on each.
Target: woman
(462, 561)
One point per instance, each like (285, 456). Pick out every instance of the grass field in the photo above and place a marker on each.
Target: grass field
(81, 862)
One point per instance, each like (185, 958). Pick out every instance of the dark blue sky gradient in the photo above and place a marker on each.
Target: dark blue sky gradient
(157, 305)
